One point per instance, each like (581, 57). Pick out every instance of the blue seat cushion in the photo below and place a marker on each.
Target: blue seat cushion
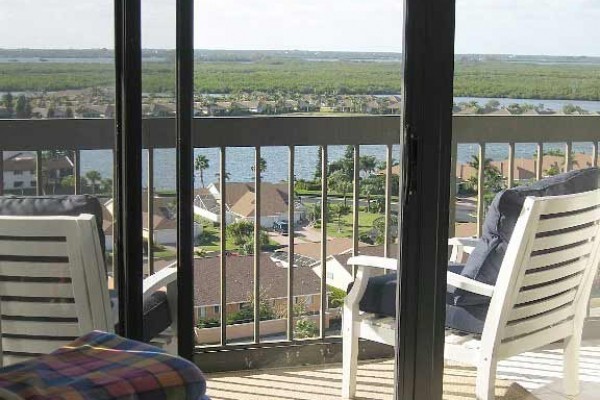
(380, 299)
(70, 205)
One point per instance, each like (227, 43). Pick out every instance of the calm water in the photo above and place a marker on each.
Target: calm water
(241, 160)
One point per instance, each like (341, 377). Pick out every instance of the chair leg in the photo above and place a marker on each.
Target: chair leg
(571, 365)
(485, 386)
(350, 353)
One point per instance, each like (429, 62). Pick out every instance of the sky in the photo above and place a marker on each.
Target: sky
(549, 27)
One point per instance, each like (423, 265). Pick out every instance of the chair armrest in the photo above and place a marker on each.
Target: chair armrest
(362, 276)
(467, 241)
(160, 279)
(374, 262)
(461, 248)
(470, 285)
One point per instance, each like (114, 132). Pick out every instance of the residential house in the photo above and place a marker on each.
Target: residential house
(240, 203)
(307, 104)
(240, 285)
(163, 109)
(219, 108)
(20, 170)
(371, 107)
(164, 221)
(393, 107)
(309, 254)
(248, 106)
(39, 113)
(90, 111)
(525, 168)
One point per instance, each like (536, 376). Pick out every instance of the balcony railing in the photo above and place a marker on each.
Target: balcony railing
(292, 132)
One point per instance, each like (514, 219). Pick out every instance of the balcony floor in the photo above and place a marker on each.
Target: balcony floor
(539, 372)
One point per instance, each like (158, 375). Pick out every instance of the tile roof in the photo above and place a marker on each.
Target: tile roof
(240, 279)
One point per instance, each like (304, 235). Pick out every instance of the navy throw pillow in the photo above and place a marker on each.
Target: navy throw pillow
(484, 263)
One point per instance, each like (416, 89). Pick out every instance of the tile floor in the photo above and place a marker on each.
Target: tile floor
(529, 376)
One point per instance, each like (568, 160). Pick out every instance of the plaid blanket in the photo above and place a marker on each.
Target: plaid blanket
(104, 366)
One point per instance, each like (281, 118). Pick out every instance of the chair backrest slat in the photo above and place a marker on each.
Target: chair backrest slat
(52, 283)
(545, 280)
(568, 221)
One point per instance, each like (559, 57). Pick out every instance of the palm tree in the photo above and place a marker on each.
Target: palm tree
(368, 164)
(262, 165)
(341, 184)
(94, 177)
(313, 212)
(200, 165)
(227, 175)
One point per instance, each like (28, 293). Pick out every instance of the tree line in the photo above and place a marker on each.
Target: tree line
(484, 79)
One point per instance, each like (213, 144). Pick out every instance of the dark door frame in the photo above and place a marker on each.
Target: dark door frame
(424, 210)
(128, 256)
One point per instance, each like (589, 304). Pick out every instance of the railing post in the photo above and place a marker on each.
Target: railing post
(481, 188)
(511, 165)
(324, 215)
(539, 166)
(1, 173)
(291, 235)
(223, 242)
(594, 154)
(257, 247)
(568, 156)
(388, 201)
(453, 191)
(77, 172)
(150, 200)
(355, 203)
(39, 181)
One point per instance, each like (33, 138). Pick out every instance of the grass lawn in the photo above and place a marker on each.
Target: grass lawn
(164, 253)
(213, 234)
(344, 230)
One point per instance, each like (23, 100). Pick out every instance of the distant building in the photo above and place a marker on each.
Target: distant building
(164, 221)
(525, 168)
(163, 110)
(20, 170)
(240, 285)
(240, 203)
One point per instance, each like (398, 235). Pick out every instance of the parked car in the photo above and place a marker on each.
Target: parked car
(281, 227)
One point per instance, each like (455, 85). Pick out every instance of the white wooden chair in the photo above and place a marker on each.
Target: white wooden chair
(53, 284)
(540, 297)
